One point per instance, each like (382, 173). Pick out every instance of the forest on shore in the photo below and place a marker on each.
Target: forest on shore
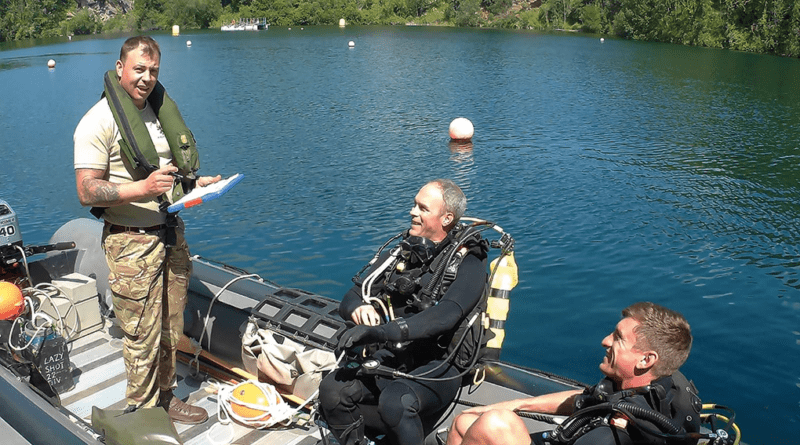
(762, 26)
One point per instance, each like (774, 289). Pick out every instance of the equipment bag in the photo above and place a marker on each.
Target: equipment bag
(143, 426)
(292, 367)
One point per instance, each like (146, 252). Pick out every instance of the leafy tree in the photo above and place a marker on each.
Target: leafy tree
(148, 14)
(591, 18)
(465, 12)
(82, 23)
(496, 6)
(190, 13)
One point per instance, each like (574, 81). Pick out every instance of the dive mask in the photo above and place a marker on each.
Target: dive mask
(417, 250)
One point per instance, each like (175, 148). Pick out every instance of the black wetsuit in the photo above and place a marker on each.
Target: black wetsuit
(397, 407)
(677, 400)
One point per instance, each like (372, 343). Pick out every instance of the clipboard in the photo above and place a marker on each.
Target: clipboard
(204, 194)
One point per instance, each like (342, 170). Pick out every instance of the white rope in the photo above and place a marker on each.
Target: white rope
(47, 322)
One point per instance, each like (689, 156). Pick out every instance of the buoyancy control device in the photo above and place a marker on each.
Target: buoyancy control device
(481, 334)
(667, 411)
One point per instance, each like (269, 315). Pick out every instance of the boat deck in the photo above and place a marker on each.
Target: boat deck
(99, 377)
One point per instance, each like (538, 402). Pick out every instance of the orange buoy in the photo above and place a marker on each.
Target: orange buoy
(11, 302)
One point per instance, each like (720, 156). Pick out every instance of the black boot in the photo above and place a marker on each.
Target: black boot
(352, 434)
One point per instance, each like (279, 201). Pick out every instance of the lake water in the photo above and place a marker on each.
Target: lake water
(625, 171)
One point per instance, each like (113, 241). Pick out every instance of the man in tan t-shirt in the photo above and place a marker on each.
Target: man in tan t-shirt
(134, 237)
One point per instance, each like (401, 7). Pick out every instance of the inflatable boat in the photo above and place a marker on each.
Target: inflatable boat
(54, 381)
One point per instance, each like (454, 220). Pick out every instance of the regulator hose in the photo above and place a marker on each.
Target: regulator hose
(573, 424)
(661, 421)
(577, 421)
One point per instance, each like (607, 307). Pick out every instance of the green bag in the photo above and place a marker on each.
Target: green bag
(143, 426)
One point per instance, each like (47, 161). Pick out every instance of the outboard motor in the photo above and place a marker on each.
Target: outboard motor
(10, 239)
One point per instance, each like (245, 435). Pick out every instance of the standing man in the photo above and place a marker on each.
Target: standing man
(641, 364)
(407, 311)
(130, 150)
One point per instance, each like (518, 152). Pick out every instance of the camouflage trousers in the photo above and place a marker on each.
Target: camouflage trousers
(152, 325)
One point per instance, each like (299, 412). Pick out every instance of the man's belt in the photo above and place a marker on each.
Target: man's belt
(113, 228)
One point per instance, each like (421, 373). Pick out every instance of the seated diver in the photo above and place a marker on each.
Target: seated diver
(407, 311)
(643, 355)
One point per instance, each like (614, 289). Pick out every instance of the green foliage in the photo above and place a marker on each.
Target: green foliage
(496, 6)
(147, 14)
(768, 26)
(591, 18)
(82, 23)
(26, 19)
(465, 13)
(189, 14)
(531, 19)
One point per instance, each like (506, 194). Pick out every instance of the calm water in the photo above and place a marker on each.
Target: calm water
(625, 171)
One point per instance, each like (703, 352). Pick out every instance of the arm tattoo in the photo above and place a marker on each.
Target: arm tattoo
(100, 192)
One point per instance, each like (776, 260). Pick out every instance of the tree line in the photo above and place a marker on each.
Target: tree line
(763, 26)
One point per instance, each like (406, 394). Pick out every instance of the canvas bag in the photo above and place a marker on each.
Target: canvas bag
(293, 367)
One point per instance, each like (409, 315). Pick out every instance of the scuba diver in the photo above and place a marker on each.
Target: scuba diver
(643, 399)
(409, 314)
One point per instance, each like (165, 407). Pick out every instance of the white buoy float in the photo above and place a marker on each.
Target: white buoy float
(461, 129)
(341, 23)
(351, 44)
(188, 43)
(602, 40)
(51, 63)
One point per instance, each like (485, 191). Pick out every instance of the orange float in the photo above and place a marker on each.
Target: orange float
(11, 302)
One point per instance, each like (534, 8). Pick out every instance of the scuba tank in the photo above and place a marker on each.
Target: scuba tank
(504, 278)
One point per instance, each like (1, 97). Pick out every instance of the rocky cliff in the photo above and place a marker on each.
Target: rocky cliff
(105, 9)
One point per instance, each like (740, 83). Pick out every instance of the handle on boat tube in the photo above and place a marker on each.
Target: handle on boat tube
(33, 250)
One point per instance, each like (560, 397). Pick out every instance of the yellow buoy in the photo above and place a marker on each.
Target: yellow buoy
(341, 23)
(461, 129)
(176, 30)
(248, 398)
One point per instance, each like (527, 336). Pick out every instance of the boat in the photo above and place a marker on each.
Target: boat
(53, 403)
(246, 25)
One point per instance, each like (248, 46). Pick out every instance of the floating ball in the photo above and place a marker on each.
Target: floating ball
(188, 43)
(461, 129)
(351, 44)
(11, 302)
(51, 63)
(602, 40)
